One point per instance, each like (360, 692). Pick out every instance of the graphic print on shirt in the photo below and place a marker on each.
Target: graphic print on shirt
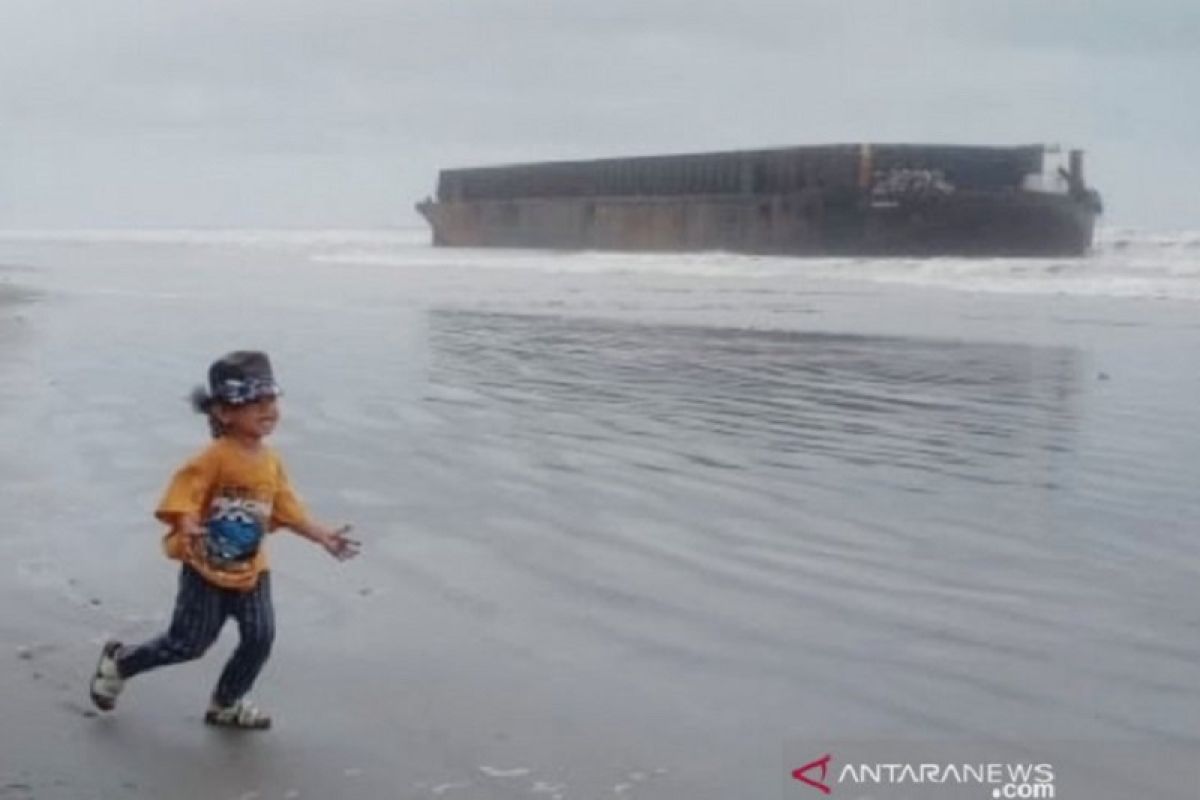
(236, 523)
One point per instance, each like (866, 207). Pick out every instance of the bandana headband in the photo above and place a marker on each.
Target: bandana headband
(237, 392)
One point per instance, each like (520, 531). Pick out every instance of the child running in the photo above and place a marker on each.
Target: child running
(218, 506)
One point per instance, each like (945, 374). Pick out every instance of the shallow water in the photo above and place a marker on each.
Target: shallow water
(631, 526)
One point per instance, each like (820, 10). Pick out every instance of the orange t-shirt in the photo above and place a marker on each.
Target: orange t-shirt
(226, 485)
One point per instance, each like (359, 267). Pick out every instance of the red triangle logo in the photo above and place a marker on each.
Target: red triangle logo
(818, 784)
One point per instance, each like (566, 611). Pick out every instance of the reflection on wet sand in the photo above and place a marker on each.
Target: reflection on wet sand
(885, 517)
(974, 411)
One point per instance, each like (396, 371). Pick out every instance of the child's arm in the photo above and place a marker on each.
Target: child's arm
(288, 512)
(334, 540)
(182, 505)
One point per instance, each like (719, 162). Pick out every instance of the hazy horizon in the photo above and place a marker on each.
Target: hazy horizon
(308, 114)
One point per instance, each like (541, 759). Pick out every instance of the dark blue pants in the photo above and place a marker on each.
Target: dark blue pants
(200, 612)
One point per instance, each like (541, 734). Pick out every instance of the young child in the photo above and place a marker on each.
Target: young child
(219, 505)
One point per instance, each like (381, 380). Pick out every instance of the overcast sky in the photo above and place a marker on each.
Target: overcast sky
(338, 113)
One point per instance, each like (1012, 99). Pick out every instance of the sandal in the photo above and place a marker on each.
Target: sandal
(242, 714)
(107, 683)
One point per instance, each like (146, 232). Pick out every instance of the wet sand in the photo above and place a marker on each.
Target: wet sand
(626, 535)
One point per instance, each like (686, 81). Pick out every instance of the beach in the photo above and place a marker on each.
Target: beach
(633, 525)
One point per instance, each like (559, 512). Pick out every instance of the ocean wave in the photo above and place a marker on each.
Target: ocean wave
(233, 237)
(1125, 263)
(1119, 239)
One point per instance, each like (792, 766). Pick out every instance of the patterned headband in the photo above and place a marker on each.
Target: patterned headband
(238, 392)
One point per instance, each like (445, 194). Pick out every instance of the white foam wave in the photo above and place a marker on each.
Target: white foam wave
(234, 237)
(1098, 276)
(711, 265)
(1116, 239)
(1126, 263)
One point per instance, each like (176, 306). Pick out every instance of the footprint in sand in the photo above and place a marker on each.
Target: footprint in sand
(44, 574)
(78, 709)
(33, 655)
(32, 652)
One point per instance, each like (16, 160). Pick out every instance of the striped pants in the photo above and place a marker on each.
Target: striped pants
(200, 612)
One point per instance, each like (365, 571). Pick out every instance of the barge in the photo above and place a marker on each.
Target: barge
(842, 200)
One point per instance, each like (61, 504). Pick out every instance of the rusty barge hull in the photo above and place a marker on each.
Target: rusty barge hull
(783, 224)
(878, 200)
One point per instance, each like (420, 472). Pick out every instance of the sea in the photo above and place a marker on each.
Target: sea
(634, 525)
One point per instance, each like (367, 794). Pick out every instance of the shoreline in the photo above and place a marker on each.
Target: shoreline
(634, 554)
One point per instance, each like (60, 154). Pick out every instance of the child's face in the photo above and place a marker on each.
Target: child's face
(251, 420)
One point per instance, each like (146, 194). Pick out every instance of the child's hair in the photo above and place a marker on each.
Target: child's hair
(204, 403)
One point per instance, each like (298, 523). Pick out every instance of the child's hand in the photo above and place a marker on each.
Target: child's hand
(339, 545)
(190, 527)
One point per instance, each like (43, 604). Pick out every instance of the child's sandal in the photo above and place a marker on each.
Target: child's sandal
(242, 714)
(106, 683)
